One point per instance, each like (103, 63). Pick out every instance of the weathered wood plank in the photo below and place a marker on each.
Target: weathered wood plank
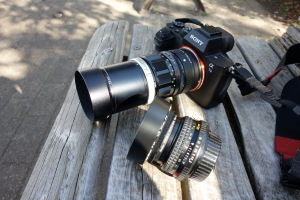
(61, 170)
(292, 36)
(128, 180)
(229, 175)
(294, 33)
(263, 61)
(257, 125)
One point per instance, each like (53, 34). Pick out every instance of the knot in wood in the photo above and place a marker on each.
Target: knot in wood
(136, 47)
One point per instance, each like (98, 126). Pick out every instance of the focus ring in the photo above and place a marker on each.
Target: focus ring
(184, 174)
(209, 158)
(175, 153)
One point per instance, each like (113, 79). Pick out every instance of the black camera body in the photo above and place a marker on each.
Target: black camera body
(210, 44)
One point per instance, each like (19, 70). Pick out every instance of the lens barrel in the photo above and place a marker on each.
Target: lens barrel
(179, 147)
(107, 90)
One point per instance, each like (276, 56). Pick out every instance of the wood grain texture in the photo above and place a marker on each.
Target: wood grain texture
(229, 179)
(61, 170)
(128, 180)
(294, 33)
(281, 44)
(257, 125)
(263, 61)
(147, 4)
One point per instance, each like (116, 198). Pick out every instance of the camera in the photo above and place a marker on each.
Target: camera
(209, 44)
(197, 65)
(178, 146)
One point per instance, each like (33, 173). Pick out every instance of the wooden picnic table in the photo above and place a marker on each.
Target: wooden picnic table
(84, 160)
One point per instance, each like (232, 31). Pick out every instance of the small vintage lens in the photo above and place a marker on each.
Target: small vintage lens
(179, 147)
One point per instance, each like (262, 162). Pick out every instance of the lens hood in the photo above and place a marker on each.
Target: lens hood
(149, 128)
(93, 93)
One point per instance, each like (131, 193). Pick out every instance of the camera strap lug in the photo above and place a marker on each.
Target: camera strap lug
(247, 84)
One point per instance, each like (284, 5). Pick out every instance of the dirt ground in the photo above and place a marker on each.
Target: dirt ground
(285, 11)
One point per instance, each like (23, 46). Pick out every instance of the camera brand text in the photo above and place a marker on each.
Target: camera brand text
(196, 39)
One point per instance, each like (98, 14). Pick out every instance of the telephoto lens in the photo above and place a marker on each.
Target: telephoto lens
(178, 146)
(107, 90)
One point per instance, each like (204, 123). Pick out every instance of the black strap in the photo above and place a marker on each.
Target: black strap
(247, 84)
(286, 131)
(292, 56)
(190, 20)
(290, 170)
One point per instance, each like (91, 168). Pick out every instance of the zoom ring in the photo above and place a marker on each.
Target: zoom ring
(208, 160)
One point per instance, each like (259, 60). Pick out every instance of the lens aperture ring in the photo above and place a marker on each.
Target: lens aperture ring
(185, 167)
(178, 147)
(207, 161)
(184, 148)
